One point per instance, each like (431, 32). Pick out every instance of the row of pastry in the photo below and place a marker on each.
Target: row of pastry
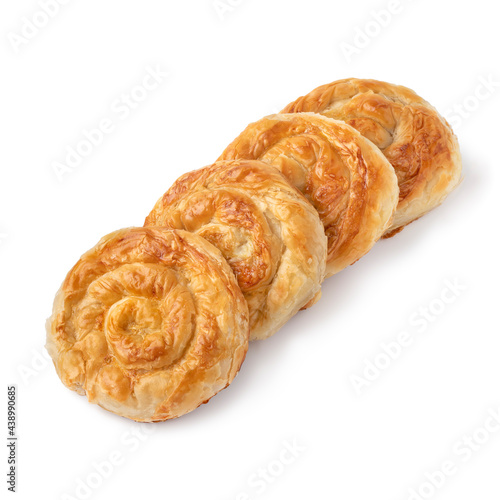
(154, 321)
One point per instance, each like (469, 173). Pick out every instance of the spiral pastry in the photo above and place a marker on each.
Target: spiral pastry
(345, 177)
(149, 324)
(269, 233)
(417, 141)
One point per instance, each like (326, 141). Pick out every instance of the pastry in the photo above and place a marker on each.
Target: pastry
(345, 177)
(269, 233)
(149, 324)
(417, 141)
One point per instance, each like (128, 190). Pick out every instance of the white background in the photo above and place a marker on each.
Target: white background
(224, 73)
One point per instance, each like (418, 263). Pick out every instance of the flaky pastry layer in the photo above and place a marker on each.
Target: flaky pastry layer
(413, 136)
(149, 324)
(344, 176)
(269, 233)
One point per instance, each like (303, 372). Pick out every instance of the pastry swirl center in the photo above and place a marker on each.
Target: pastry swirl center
(136, 317)
(148, 315)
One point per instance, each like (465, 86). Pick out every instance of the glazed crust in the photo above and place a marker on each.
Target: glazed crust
(344, 176)
(268, 232)
(417, 141)
(149, 324)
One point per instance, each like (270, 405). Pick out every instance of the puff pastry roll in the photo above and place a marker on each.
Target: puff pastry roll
(417, 141)
(149, 324)
(269, 233)
(345, 177)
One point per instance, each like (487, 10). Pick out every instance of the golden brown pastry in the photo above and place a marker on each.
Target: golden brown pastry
(269, 233)
(149, 324)
(417, 141)
(345, 177)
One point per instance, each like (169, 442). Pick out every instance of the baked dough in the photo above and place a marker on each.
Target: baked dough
(417, 141)
(345, 177)
(269, 233)
(149, 324)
